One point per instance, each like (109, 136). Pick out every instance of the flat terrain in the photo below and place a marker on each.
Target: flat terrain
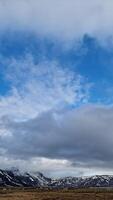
(35, 194)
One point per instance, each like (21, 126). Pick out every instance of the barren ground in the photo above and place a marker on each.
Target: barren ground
(35, 194)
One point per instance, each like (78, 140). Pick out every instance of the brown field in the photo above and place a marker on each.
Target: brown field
(36, 194)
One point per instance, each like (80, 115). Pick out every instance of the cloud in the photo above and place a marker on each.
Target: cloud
(82, 137)
(64, 19)
(40, 87)
(64, 137)
(47, 166)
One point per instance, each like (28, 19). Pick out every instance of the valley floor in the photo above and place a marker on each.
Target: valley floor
(35, 194)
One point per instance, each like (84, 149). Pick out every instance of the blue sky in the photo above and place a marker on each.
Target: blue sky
(56, 86)
(90, 59)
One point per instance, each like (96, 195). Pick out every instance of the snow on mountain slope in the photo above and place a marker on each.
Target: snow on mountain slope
(14, 177)
(76, 182)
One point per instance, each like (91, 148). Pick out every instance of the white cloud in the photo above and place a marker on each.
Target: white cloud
(55, 168)
(41, 87)
(64, 19)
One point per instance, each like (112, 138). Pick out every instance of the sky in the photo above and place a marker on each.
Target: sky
(56, 86)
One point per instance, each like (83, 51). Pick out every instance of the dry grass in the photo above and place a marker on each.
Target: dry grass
(35, 194)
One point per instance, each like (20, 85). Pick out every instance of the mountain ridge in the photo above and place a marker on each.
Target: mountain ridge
(15, 178)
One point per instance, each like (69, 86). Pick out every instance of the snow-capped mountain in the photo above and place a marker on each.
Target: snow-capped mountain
(14, 177)
(78, 182)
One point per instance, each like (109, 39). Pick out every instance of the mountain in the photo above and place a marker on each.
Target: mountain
(15, 178)
(82, 182)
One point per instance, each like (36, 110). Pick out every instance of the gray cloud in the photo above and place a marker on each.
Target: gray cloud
(83, 136)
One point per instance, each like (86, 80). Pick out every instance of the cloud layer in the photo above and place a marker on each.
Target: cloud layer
(80, 139)
(64, 19)
(55, 135)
